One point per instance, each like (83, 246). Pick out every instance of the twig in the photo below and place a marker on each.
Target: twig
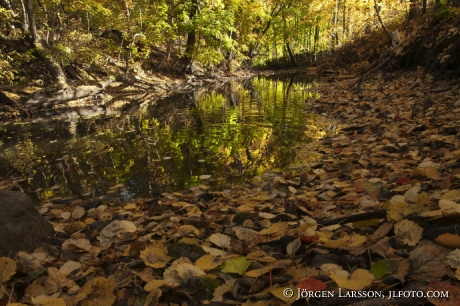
(11, 294)
(378, 214)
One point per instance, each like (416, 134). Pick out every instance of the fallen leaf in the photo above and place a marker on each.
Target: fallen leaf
(292, 247)
(221, 240)
(153, 297)
(236, 265)
(438, 287)
(153, 284)
(358, 280)
(97, 291)
(7, 269)
(427, 260)
(449, 240)
(383, 267)
(408, 232)
(155, 255)
(453, 258)
(208, 262)
(311, 284)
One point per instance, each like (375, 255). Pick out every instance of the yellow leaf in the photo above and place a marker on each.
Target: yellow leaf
(257, 272)
(155, 255)
(97, 291)
(284, 294)
(184, 229)
(52, 302)
(333, 244)
(451, 195)
(7, 269)
(69, 267)
(357, 240)
(153, 297)
(208, 262)
(341, 184)
(431, 172)
(449, 240)
(154, 284)
(358, 280)
(292, 189)
(276, 228)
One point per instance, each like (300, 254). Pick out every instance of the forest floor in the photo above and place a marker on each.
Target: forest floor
(374, 221)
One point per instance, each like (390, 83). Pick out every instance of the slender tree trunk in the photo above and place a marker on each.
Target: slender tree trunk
(336, 13)
(191, 40)
(291, 55)
(315, 44)
(25, 20)
(344, 19)
(413, 12)
(31, 19)
(377, 10)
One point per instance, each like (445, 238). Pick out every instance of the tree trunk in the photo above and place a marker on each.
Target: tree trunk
(413, 12)
(291, 55)
(335, 39)
(315, 43)
(377, 10)
(191, 40)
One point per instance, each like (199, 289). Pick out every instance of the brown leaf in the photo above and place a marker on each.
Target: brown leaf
(427, 259)
(97, 291)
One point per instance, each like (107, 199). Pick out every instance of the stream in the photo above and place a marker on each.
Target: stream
(220, 137)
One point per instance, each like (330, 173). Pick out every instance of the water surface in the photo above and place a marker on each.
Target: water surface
(231, 134)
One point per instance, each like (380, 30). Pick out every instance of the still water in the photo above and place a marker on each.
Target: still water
(216, 136)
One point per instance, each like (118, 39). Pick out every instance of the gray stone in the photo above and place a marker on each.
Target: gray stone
(22, 228)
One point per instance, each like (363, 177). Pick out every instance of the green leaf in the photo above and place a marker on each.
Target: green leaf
(383, 267)
(236, 265)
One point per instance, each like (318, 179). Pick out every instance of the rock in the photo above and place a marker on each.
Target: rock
(22, 228)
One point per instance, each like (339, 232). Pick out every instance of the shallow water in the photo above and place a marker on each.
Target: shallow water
(220, 137)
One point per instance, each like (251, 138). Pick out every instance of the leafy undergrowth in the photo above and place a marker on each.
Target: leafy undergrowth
(394, 165)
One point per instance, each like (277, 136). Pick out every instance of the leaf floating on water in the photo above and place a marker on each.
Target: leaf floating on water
(204, 176)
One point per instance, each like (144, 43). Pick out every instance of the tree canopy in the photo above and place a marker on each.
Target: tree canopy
(218, 33)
